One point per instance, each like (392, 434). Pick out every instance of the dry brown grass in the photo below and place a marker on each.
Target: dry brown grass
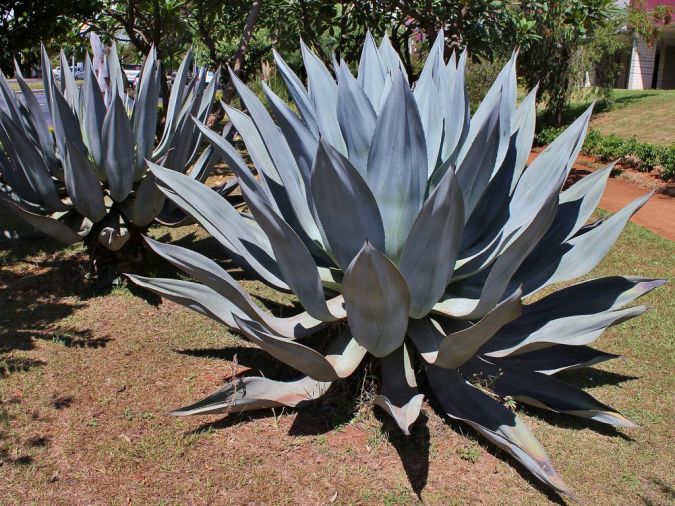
(86, 380)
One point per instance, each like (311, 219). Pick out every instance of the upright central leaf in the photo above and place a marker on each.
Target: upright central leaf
(397, 165)
(377, 299)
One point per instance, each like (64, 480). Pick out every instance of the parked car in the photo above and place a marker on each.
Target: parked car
(132, 71)
(77, 70)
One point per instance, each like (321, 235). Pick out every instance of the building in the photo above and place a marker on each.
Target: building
(651, 65)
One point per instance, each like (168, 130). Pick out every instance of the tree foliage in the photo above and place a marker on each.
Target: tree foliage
(26, 23)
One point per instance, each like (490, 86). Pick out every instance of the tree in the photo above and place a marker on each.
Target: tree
(553, 59)
(26, 23)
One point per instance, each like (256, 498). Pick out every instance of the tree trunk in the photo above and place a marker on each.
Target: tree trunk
(238, 61)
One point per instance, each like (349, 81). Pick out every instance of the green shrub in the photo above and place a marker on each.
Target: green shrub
(631, 153)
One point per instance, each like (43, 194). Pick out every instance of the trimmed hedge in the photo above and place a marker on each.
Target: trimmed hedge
(629, 152)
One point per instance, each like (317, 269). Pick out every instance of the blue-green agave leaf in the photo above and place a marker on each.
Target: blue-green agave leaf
(299, 94)
(398, 394)
(83, 186)
(377, 300)
(145, 111)
(356, 117)
(253, 392)
(118, 150)
(371, 74)
(431, 249)
(548, 392)
(50, 226)
(346, 208)
(496, 423)
(556, 358)
(397, 165)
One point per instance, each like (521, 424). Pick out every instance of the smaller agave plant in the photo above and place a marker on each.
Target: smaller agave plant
(87, 179)
(414, 234)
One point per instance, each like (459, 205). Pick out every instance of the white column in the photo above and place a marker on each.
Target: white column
(641, 65)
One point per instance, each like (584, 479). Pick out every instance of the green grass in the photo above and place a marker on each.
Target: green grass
(33, 85)
(649, 115)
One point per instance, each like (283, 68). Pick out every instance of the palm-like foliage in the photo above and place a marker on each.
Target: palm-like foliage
(428, 229)
(89, 178)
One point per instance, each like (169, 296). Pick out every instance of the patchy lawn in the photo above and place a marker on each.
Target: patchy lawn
(86, 380)
(649, 115)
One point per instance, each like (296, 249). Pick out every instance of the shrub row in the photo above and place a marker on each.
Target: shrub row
(629, 152)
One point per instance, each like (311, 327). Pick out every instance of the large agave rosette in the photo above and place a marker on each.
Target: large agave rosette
(391, 209)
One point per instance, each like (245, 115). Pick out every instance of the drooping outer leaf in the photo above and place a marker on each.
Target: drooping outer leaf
(548, 392)
(500, 426)
(559, 357)
(432, 246)
(295, 261)
(256, 393)
(290, 352)
(346, 208)
(377, 301)
(118, 150)
(397, 165)
(50, 226)
(399, 396)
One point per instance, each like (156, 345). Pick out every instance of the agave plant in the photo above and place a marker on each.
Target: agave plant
(88, 179)
(410, 233)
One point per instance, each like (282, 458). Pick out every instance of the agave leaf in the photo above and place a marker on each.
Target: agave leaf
(323, 93)
(282, 158)
(547, 172)
(173, 117)
(397, 165)
(94, 112)
(547, 392)
(115, 232)
(478, 156)
(377, 300)
(301, 141)
(456, 109)
(578, 255)
(577, 204)
(428, 99)
(147, 203)
(50, 226)
(571, 330)
(290, 352)
(399, 396)
(490, 286)
(256, 393)
(345, 354)
(556, 358)
(432, 246)
(66, 125)
(391, 61)
(10, 100)
(457, 348)
(298, 93)
(70, 90)
(34, 171)
(145, 111)
(117, 76)
(47, 74)
(221, 220)
(337, 185)
(356, 117)
(500, 426)
(234, 161)
(83, 186)
(371, 75)
(293, 258)
(118, 150)
(37, 121)
(523, 125)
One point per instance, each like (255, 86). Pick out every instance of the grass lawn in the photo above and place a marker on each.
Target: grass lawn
(32, 84)
(86, 380)
(649, 115)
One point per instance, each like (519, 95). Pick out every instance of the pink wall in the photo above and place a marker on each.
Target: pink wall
(653, 3)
